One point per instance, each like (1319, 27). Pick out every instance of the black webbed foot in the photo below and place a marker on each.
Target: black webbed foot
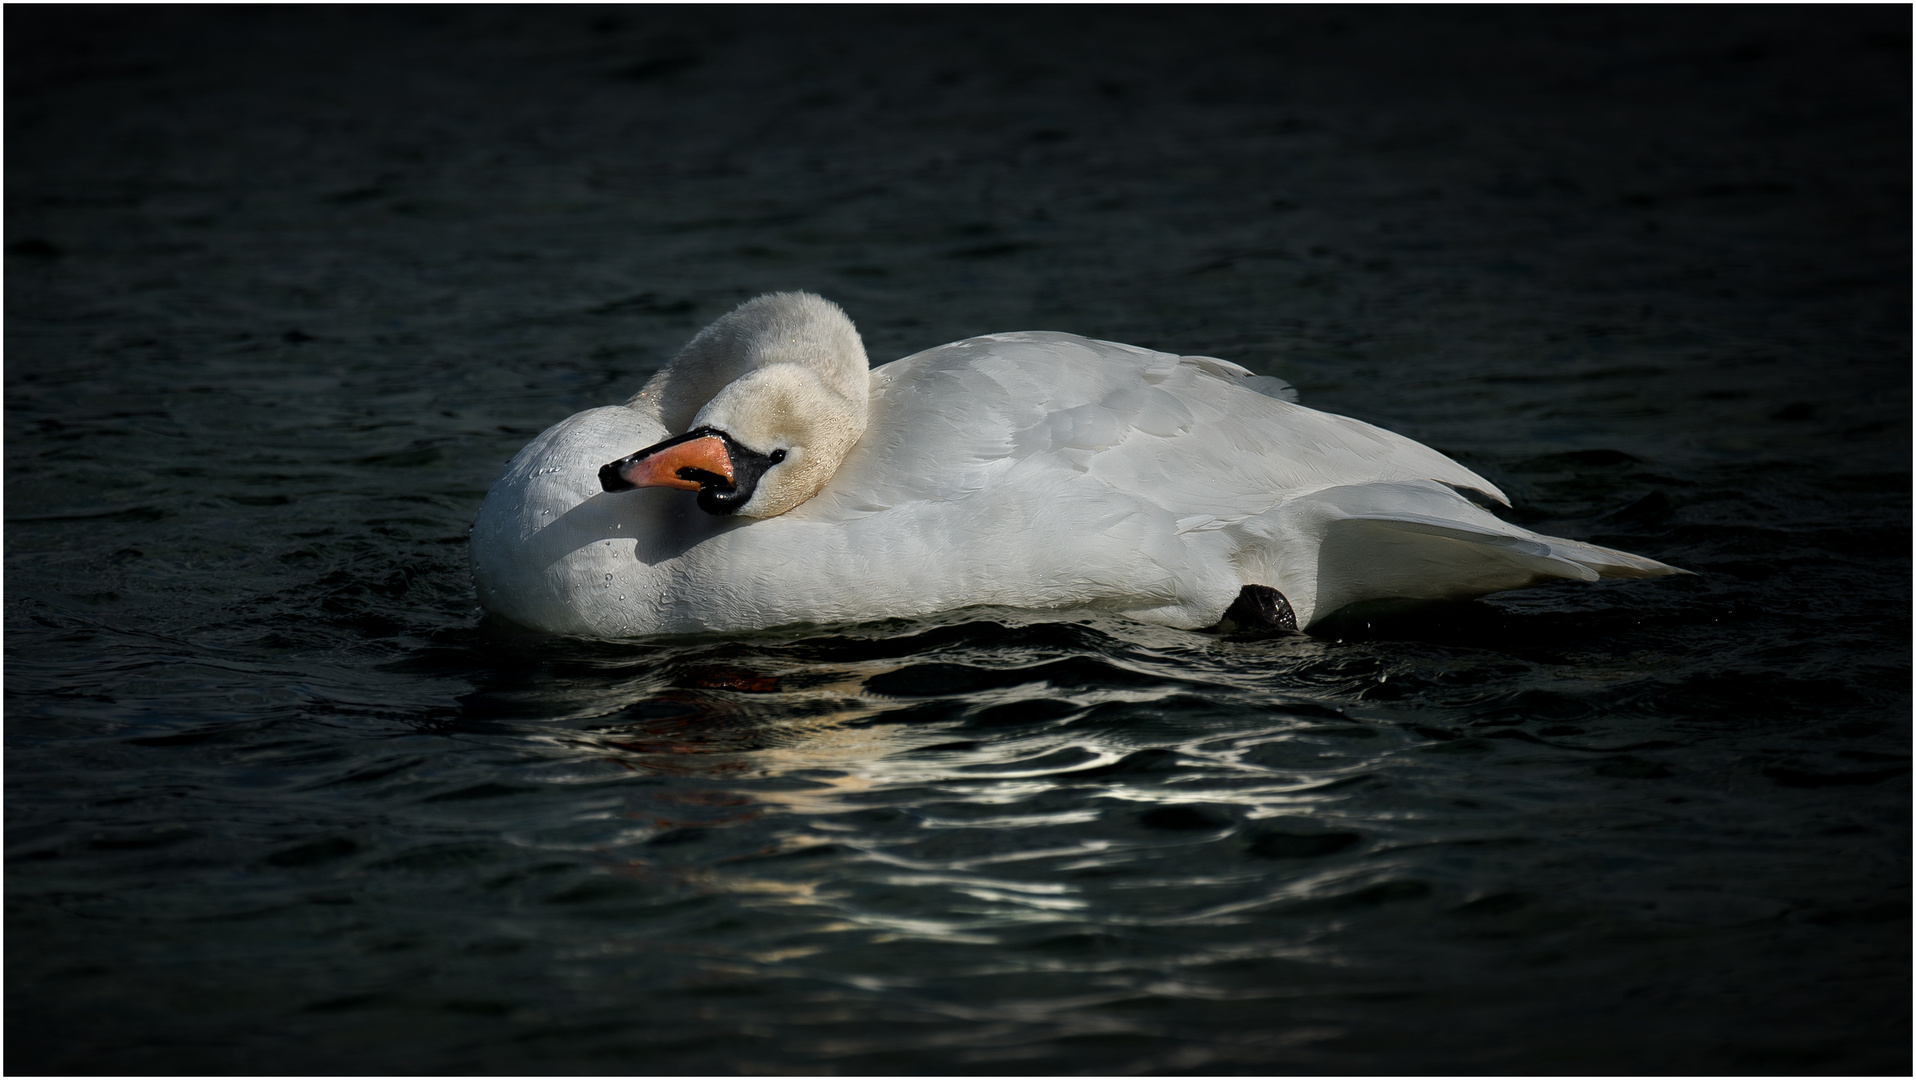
(1258, 609)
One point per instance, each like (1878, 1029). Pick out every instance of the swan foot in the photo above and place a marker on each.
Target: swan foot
(1258, 609)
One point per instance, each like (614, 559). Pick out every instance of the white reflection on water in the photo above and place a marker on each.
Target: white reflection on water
(932, 831)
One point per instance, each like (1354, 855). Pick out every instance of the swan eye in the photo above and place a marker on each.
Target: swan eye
(778, 456)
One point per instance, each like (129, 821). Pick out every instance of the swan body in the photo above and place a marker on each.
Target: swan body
(766, 477)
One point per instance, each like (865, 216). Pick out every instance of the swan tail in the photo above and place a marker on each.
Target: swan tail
(1609, 562)
(1419, 540)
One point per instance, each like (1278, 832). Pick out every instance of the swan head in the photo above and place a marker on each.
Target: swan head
(774, 434)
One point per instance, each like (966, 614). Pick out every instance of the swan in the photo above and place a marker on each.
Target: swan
(768, 476)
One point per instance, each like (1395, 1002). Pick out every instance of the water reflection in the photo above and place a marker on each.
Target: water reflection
(984, 793)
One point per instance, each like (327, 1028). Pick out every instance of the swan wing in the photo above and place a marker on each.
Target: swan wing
(1195, 436)
(1044, 469)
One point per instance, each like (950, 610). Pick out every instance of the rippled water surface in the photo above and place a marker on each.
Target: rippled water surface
(285, 289)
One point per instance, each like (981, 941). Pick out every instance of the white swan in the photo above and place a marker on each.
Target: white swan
(1037, 470)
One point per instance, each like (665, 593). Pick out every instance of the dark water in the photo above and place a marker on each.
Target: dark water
(285, 289)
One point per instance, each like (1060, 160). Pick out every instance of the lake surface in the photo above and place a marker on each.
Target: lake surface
(286, 289)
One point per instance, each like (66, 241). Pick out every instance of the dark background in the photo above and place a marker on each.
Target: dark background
(286, 287)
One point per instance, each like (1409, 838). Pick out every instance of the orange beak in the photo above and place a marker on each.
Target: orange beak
(685, 463)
